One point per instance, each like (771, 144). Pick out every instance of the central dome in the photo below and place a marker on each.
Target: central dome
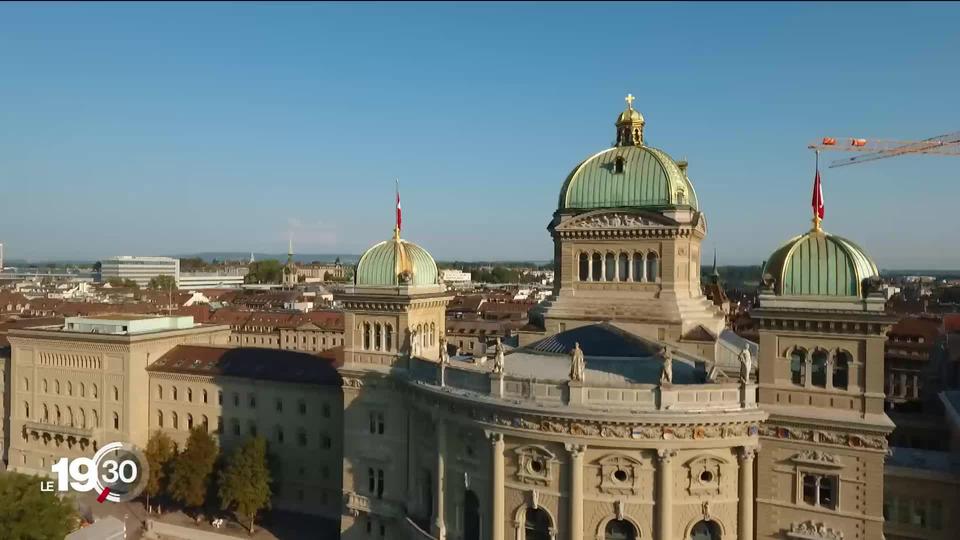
(628, 176)
(396, 262)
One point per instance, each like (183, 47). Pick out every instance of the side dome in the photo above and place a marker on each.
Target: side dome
(628, 176)
(819, 264)
(396, 262)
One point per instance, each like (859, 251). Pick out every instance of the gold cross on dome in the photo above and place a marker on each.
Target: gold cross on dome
(629, 99)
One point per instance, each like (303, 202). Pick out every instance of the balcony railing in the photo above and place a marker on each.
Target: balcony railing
(356, 503)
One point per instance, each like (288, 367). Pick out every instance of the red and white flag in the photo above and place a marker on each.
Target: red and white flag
(817, 193)
(398, 205)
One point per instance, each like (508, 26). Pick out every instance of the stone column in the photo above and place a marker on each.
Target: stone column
(903, 385)
(603, 267)
(496, 485)
(439, 527)
(808, 371)
(916, 387)
(745, 514)
(589, 266)
(576, 489)
(630, 276)
(664, 504)
(829, 370)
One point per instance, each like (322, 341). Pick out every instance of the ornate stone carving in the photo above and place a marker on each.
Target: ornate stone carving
(817, 457)
(584, 429)
(350, 382)
(578, 365)
(619, 474)
(613, 220)
(746, 364)
(498, 357)
(535, 465)
(641, 432)
(666, 370)
(810, 530)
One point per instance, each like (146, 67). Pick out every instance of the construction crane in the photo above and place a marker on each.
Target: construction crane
(873, 149)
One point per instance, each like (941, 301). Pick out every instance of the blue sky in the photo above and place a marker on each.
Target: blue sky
(177, 128)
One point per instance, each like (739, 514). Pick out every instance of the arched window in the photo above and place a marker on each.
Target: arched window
(69, 388)
(597, 267)
(69, 416)
(96, 418)
(116, 394)
(93, 391)
(189, 421)
(623, 267)
(366, 336)
(83, 390)
(26, 385)
(619, 529)
(83, 419)
(46, 413)
(818, 370)
(705, 530)
(56, 386)
(205, 423)
(798, 366)
(425, 336)
(116, 421)
(536, 524)
(26, 410)
(388, 338)
(56, 412)
(46, 389)
(173, 392)
(653, 267)
(841, 370)
(611, 267)
(471, 516)
(174, 420)
(159, 418)
(378, 329)
(584, 265)
(204, 395)
(190, 395)
(638, 267)
(618, 165)
(279, 434)
(433, 334)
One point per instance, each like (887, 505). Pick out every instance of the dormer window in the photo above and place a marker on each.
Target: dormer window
(618, 165)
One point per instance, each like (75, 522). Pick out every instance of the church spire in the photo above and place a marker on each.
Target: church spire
(716, 274)
(630, 125)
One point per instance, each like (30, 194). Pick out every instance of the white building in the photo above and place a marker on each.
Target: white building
(453, 276)
(190, 281)
(139, 269)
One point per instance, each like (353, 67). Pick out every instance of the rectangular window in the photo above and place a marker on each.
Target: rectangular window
(302, 406)
(279, 405)
(219, 397)
(372, 480)
(326, 410)
(376, 423)
(379, 483)
(820, 490)
(219, 424)
(253, 401)
(236, 399)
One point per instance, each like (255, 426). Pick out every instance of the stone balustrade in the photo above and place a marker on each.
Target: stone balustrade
(356, 504)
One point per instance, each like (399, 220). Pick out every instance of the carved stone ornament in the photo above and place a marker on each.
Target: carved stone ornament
(612, 221)
(816, 457)
(618, 506)
(352, 383)
(810, 530)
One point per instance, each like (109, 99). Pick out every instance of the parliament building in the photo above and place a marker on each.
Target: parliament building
(617, 417)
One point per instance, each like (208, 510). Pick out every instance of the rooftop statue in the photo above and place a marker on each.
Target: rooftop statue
(444, 355)
(746, 363)
(498, 357)
(666, 372)
(578, 365)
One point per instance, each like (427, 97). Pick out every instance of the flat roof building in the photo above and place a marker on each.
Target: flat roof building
(139, 269)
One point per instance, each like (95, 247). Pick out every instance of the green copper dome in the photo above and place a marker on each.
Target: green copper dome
(819, 264)
(396, 262)
(628, 176)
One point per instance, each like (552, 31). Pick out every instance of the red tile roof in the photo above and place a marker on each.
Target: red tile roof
(252, 363)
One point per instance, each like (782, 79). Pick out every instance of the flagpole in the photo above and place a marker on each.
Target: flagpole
(818, 191)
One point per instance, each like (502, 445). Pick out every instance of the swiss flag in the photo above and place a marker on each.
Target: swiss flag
(817, 197)
(398, 205)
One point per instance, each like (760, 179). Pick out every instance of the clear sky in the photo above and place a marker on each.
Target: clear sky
(175, 128)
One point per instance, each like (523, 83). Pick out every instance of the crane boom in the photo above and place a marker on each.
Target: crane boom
(945, 145)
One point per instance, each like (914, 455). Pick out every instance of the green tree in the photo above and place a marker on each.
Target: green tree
(26, 513)
(192, 470)
(245, 481)
(160, 453)
(268, 271)
(162, 282)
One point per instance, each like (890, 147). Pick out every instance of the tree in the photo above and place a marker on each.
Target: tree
(245, 481)
(162, 282)
(160, 453)
(268, 271)
(26, 513)
(191, 469)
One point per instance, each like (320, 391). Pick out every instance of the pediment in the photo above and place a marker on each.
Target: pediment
(618, 459)
(614, 220)
(816, 457)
